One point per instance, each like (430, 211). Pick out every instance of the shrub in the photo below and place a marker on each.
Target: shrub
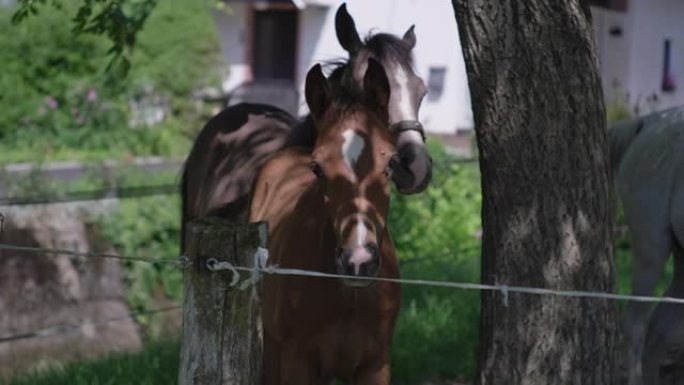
(58, 103)
(437, 237)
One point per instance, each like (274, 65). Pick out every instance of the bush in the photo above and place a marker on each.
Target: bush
(437, 237)
(58, 103)
(148, 227)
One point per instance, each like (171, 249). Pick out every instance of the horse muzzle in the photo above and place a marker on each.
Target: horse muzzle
(358, 261)
(412, 165)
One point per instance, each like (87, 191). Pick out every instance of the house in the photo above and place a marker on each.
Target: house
(641, 52)
(270, 46)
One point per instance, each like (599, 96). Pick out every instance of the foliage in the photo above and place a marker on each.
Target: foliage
(623, 262)
(437, 237)
(618, 110)
(119, 20)
(148, 227)
(62, 105)
(157, 364)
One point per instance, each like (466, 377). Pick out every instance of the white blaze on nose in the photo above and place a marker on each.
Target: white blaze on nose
(360, 254)
(352, 147)
(361, 230)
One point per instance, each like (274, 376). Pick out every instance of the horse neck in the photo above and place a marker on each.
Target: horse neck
(310, 224)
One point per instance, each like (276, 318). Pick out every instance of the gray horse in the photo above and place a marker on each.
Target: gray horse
(647, 154)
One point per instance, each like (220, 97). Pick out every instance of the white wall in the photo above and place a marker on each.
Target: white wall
(613, 51)
(437, 45)
(231, 23)
(652, 21)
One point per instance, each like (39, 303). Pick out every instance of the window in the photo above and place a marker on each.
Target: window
(668, 76)
(435, 84)
(274, 44)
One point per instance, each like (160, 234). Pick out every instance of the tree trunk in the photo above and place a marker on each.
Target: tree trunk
(547, 196)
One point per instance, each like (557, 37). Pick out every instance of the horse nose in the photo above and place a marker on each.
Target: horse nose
(359, 261)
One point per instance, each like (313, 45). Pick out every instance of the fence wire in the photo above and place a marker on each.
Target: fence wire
(93, 195)
(70, 328)
(261, 268)
(85, 254)
(217, 265)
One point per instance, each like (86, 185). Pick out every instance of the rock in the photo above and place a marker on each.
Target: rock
(39, 291)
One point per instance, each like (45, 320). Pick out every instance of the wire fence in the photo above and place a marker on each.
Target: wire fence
(258, 269)
(129, 192)
(215, 265)
(70, 328)
(93, 195)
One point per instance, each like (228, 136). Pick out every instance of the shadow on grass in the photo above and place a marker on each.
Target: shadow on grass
(157, 364)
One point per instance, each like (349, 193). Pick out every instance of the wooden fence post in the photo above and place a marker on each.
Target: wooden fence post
(222, 331)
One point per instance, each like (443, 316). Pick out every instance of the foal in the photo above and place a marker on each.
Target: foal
(327, 211)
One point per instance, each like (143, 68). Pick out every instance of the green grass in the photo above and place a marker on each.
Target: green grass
(157, 364)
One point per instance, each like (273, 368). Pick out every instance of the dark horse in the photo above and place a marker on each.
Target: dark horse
(233, 145)
(326, 210)
(647, 154)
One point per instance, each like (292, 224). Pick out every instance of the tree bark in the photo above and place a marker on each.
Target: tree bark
(547, 196)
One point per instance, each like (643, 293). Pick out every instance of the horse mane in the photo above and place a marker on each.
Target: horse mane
(387, 47)
(384, 47)
(346, 95)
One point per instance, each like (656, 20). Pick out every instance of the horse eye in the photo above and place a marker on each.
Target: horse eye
(316, 169)
(388, 171)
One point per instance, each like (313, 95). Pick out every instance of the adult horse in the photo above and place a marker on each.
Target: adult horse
(647, 154)
(326, 210)
(231, 148)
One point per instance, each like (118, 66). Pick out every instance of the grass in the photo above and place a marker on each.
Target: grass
(157, 364)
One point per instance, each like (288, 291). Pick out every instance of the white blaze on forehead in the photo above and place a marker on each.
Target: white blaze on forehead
(404, 102)
(352, 147)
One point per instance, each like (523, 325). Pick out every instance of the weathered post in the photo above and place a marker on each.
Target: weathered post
(222, 332)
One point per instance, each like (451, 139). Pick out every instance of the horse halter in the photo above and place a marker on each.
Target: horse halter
(407, 125)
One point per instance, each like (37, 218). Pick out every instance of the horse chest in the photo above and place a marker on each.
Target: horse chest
(343, 346)
(339, 330)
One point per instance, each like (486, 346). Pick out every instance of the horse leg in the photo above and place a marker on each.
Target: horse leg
(665, 335)
(295, 368)
(656, 346)
(271, 360)
(652, 243)
(375, 374)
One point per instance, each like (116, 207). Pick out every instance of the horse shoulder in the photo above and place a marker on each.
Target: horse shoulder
(278, 184)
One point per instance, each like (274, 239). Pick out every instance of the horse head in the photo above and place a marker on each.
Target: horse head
(351, 162)
(413, 165)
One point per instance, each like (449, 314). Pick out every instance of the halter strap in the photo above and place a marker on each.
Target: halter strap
(407, 125)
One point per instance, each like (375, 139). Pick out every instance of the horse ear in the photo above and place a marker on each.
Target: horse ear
(317, 91)
(410, 37)
(346, 30)
(376, 85)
